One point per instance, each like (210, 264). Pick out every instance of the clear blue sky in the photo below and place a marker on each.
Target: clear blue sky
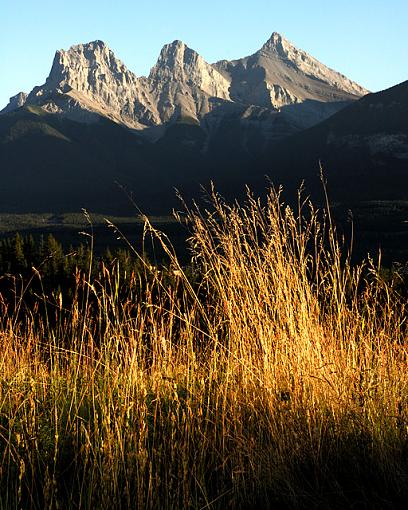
(367, 40)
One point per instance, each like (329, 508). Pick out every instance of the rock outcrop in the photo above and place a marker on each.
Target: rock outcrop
(15, 102)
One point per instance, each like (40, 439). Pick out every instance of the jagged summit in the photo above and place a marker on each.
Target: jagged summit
(179, 63)
(177, 43)
(274, 42)
(174, 61)
(280, 75)
(97, 43)
(87, 62)
(278, 47)
(87, 80)
(90, 46)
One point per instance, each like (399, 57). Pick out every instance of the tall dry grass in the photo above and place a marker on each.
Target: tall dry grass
(273, 374)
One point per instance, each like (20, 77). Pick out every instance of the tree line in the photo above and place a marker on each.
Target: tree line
(45, 262)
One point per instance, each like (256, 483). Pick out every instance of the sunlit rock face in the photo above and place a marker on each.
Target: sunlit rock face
(89, 77)
(279, 74)
(182, 81)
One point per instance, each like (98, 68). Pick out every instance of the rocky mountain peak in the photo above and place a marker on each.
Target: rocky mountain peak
(281, 76)
(88, 79)
(282, 47)
(277, 48)
(179, 63)
(176, 44)
(275, 43)
(172, 61)
(84, 64)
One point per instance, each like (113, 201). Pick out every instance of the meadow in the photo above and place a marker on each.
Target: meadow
(268, 372)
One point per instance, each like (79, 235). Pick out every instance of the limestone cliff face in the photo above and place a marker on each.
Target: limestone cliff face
(184, 84)
(179, 63)
(89, 75)
(88, 81)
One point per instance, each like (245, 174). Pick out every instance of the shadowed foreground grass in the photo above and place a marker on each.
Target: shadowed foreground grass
(275, 376)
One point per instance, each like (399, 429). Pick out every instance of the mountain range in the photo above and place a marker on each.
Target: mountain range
(94, 128)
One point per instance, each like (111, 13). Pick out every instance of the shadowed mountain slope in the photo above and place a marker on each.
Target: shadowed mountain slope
(363, 149)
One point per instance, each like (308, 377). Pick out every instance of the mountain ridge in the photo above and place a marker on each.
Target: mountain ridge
(87, 81)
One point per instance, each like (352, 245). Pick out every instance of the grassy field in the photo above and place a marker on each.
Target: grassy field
(272, 375)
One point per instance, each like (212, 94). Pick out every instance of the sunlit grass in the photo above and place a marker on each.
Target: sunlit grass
(273, 373)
